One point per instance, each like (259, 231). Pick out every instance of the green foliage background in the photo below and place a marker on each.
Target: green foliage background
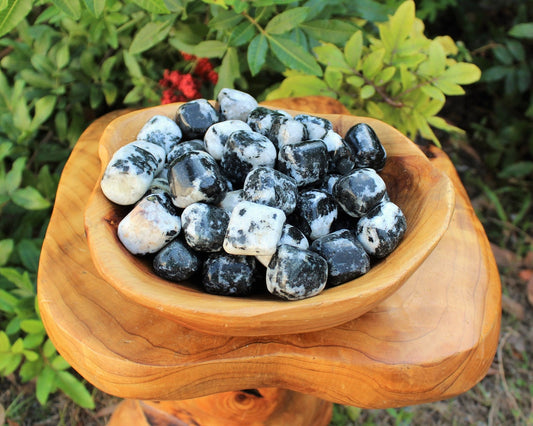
(63, 63)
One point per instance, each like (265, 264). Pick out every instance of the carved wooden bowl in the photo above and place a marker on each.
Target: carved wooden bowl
(424, 194)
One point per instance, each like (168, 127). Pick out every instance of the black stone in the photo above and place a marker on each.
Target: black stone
(229, 275)
(195, 117)
(367, 148)
(317, 127)
(306, 162)
(316, 210)
(176, 262)
(204, 226)
(185, 146)
(346, 257)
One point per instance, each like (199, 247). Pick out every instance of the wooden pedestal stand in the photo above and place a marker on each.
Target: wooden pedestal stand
(432, 339)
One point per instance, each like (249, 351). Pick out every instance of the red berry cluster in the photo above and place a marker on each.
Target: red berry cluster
(183, 87)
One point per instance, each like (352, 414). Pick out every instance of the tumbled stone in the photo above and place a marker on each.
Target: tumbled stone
(341, 158)
(154, 149)
(359, 191)
(268, 186)
(159, 185)
(306, 162)
(367, 148)
(195, 177)
(318, 210)
(162, 131)
(195, 117)
(260, 119)
(295, 274)
(328, 182)
(253, 229)
(381, 230)
(317, 127)
(244, 151)
(346, 257)
(150, 225)
(290, 235)
(235, 105)
(229, 275)
(204, 226)
(128, 174)
(231, 199)
(181, 148)
(286, 131)
(216, 136)
(176, 261)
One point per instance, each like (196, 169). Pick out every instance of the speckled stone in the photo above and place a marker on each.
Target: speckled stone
(328, 182)
(317, 127)
(381, 230)
(260, 119)
(196, 177)
(229, 275)
(154, 149)
(216, 136)
(253, 229)
(359, 191)
(367, 148)
(306, 162)
(195, 117)
(341, 157)
(183, 147)
(244, 151)
(159, 185)
(176, 261)
(235, 105)
(286, 131)
(268, 186)
(231, 199)
(128, 174)
(291, 236)
(295, 274)
(204, 226)
(162, 131)
(150, 225)
(346, 257)
(317, 209)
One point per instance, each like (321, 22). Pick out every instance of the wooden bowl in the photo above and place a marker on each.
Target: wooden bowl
(424, 194)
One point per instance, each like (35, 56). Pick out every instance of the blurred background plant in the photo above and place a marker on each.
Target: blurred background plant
(64, 63)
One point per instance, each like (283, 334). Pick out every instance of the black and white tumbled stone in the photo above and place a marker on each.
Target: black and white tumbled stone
(295, 274)
(162, 131)
(129, 173)
(176, 261)
(231, 199)
(181, 148)
(286, 131)
(260, 119)
(381, 229)
(346, 257)
(290, 235)
(317, 211)
(244, 151)
(195, 117)
(253, 229)
(204, 226)
(359, 191)
(196, 177)
(367, 148)
(235, 105)
(268, 186)
(306, 162)
(216, 136)
(341, 157)
(229, 275)
(317, 127)
(150, 225)
(159, 185)
(328, 182)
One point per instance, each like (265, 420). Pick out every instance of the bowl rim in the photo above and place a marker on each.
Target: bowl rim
(250, 316)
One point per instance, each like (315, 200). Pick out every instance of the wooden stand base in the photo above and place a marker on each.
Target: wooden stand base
(265, 406)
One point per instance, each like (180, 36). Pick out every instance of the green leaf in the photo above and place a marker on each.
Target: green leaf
(462, 73)
(523, 30)
(29, 254)
(15, 12)
(517, 170)
(354, 49)
(210, 49)
(31, 355)
(441, 123)
(43, 110)
(11, 363)
(228, 71)
(373, 63)
(32, 341)
(95, 7)
(37, 80)
(329, 30)
(21, 280)
(110, 92)
(6, 248)
(132, 65)
(256, 54)
(7, 302)
(59, 363)
(293, 56)
(62, 57)
(287, 20)
(71, 8)
(436, 62)
(242, 34)
(153, 6)
(5, 149)
(45, 384)
(367, 92)
(29, 198)
(401, 23)
(330, 55)
(107, 67)
(433, 92)
(448, 88)
(29, 370)
(503, 55)
(225, 20)
(150, 35)
(498, 72)
(4, 342)
(355, 81)
(385, 76)
(74, 389)
(14, 176)
(48, 349)
(21, 115)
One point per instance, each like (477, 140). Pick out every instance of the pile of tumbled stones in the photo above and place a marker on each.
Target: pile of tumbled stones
(241, 195)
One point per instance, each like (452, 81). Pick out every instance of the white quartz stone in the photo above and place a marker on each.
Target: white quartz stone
(235, 105)
(216, 136)
(162, 131)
